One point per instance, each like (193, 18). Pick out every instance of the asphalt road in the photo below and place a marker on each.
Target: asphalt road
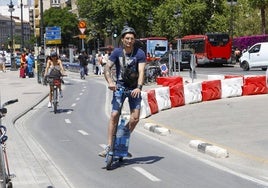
(73, 137)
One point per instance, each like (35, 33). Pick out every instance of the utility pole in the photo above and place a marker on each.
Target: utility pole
(22, 31)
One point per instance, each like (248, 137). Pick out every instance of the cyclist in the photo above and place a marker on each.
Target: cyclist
(54, 69)
(129, 62)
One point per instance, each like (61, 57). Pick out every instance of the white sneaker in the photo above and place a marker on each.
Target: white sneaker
(49, 105)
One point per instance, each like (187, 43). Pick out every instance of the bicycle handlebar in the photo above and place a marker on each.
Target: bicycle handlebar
(3, 110)
(9, 102)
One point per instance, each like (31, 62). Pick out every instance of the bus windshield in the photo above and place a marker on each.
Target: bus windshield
(154, 47)
(218, 39)
(198, 45)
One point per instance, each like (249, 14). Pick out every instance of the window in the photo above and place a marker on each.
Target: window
(255, 49)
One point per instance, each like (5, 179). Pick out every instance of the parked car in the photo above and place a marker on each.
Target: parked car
(185, 59)
(7, 56)
(255, 57)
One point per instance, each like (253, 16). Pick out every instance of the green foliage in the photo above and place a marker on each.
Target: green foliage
(64, 19)
(198, 17)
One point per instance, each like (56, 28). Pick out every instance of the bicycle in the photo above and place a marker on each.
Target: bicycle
(121, 136)
(55, 82)
(5, 176)
(152, 71)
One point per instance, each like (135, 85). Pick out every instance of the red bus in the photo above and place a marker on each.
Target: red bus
(154, 47)
(211, 48)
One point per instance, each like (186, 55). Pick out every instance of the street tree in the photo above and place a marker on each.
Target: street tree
(64, 19)
(262, 5)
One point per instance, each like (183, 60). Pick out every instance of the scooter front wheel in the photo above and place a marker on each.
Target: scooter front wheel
(121, 159)
(109, 162)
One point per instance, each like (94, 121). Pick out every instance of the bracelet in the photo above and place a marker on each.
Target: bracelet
(140, 87)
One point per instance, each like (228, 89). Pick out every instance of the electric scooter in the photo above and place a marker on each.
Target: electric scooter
(120, 139)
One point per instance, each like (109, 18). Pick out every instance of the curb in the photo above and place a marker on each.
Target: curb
(209, 149)
(156, 129)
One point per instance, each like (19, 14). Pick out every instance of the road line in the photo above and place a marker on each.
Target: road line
(74, 104)
(80, 93)
(69, 112)
(83, 132)
(146, 174)
(77, 99)
(68, 121)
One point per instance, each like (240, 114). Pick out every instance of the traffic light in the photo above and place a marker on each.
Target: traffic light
(231, 2)
(115, 33)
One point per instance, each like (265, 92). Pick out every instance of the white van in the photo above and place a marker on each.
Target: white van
(255, 57)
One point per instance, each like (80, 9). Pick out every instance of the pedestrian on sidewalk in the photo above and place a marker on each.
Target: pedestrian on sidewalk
(3, 62)
(99, 63)
(23, 65)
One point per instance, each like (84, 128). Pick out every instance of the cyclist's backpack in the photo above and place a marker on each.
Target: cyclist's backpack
(55, 73)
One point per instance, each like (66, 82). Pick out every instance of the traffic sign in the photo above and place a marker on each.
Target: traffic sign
(82, 36)
(53, 35)
(82, 24)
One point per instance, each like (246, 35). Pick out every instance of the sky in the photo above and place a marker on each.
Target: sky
(15, 2)
(5, 2)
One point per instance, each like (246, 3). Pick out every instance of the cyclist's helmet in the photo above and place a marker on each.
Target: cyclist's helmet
(128, 30)
(53, 54)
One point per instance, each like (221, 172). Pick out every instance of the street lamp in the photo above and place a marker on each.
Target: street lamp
(11, 9)
(41, 56)
(151, 21)
(109, 31)
(231, 3)
(22, 32)
(177, 14)
(42, 23)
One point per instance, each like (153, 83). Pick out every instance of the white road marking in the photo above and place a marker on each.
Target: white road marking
(74, 104)
(77, 99)
(83, 90)
(68, 121)
(146, 174)
(85, 87)
(83, 132)
(69, 112)
(80, 93)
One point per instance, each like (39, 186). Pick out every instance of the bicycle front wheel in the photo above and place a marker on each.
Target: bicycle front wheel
(3, 174)
(55, 99)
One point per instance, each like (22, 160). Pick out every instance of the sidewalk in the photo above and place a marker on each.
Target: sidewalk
(29, 164)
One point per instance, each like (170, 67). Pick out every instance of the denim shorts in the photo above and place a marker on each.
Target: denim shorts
(118, 100)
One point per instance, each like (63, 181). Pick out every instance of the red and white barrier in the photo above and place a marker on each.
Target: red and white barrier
(152, 101)
(254, 85)
(216, 87)
(192, 93)
(177, 95)
(231, 87)
(145, 108)
(162, 96)
(211, 90)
